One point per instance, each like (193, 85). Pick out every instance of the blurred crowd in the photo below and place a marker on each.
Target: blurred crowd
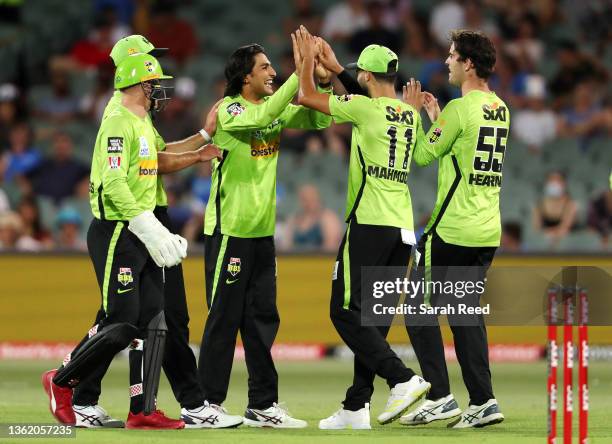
(553, 67)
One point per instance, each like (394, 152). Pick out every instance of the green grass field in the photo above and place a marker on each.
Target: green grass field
(313, 391)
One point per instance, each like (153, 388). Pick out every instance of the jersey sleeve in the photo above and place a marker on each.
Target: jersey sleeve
(440, 137)
(300, 117)
(349, 108)
(116, 140)
(233, 116)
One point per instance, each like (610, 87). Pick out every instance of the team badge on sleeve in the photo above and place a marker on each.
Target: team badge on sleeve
(114, 162)
(235, 109)
(125, 276)
(435, 135)
(345, 98)
(115, 145)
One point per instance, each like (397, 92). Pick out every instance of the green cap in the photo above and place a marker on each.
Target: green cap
(134, 44)
(378, 59)
(138, 68)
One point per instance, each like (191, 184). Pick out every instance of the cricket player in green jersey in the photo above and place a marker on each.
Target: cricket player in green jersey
(468, 138)
(380, 230)
(128, 246)
(179, 363)
(240, 261)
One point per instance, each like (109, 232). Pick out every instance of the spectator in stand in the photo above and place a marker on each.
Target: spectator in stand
(304, 13)
(535, 124)
(344, 19)
(118, 28)
(313, 227)
(509, 80)
(511, 238)
(178, 211)
(200, 191)
(123, 10)
(61, 106)
(167, 30)
(11, 234)
(600, 215)
(375, 32)
(526, 44)
(586, 116)
(445, 17)
(57, 177)
(475, 20)
(574, 68)
(32, 225)
(68, 235)
(22, 157)
(9, 112)
(94, 50)
(555, 213)
(94, 103)
(179, 120)
(285, 67)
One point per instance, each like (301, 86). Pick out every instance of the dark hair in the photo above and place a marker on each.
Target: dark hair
(385, 78)
(240, 64)
(477, 47)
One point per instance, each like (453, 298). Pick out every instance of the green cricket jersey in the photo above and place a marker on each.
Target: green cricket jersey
(382, 142)
(469, 137)
(160, 145)
(242, 200)
(123, 180)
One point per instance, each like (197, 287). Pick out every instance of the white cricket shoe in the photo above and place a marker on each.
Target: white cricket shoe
(402, 397)
(94, 416)
(479, 416)
(276, 417)
(428, 411)
(348, 419)
(209, 416)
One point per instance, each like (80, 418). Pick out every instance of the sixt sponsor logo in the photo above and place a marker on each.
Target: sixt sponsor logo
(494, 112)
(397, 114)
(382, 172)
(147, 168)
(485, 180)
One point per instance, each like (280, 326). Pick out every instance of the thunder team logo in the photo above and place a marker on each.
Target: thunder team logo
(435, 135)
(233, 267)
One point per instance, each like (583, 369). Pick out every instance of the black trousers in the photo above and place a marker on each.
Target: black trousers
(179, 361)
(131, 285)
(241, 296)
(366, 245)
(471, 345)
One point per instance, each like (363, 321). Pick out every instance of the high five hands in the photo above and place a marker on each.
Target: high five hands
(306, 45)
(413, 95)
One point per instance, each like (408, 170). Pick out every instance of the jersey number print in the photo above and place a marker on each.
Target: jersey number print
(490, 162)
(392, 133)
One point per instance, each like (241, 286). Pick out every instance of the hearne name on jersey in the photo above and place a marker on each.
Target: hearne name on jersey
(485, 180)
(382, 172)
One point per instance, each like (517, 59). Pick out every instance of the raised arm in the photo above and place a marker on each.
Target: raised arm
(308, 95)
(172, 162)
(235, 117)
(203, 137)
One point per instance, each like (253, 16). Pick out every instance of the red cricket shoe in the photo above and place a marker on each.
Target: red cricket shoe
(156, 420)
(60, 399)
